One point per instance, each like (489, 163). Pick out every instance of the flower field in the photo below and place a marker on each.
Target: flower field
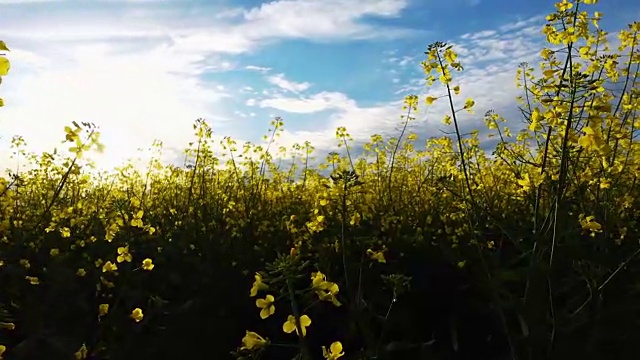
(436, 250)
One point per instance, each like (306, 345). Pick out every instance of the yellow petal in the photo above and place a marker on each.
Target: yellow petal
(4, 66)
(264, 313)
(333, 288)
(336, 347)
(305, 320)
(288, 326)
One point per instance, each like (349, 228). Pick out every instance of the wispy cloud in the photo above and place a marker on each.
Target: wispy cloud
(2, 2)
(490, 57)
(288, 85)
(315, 103)
(260, 69)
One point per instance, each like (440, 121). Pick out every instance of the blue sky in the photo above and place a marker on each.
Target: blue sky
(146, 69)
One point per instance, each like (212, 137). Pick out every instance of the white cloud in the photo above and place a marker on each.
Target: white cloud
(139, 74)
(280, 81)
(308, 19)
(490, 58)
(512, 42)
(479, 34)
(361, 123)
(522, 23)
(213, 41)
(318, 102)
(136, 72)
(318, 19)
(236, 31)
(260, 69)
(133, 98)
(2, 2)
(402, 61)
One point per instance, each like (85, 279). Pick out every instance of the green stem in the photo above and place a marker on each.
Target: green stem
(296, 313)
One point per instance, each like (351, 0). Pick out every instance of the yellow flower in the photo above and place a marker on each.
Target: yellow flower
(258, 285)
(137, 314)
(546, 53)
(81, 272)
(147, 264)
(456, 89)
(525, 182)
(252, 341)
(2, 350)
(334, 352)
(329, 292)
(109, 266)
(290, 324)
(137, 219)
(376, 255)
(123, 254)
(326, 290)
(267, 306)
(469, 105)
(589, 223)
(591, 138)
(317, 278)
(450, 56)
(8, 326)
(54, 252)
(82, 353)
(564, 6)
(536, 117)
(65, 232)
(103, 309)
(430, 99)
(33, 280)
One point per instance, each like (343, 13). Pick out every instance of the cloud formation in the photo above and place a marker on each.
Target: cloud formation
(491, 58)
(145, 70)
(280, 81)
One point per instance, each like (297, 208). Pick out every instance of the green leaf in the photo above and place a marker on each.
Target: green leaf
(3, 46)
(4, 66)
